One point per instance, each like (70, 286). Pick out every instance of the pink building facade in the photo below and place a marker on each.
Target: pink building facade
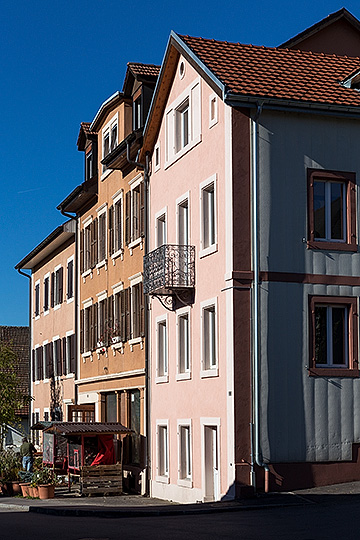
(191, 352)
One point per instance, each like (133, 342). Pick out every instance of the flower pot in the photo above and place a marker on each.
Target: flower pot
(25, 488)
(7, 489)
(46, 491)
(16, 487)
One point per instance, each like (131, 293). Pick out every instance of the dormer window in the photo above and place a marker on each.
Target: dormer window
(113, 137)
(109, 139)
(137, 113)
(89, 166)
(353, 81)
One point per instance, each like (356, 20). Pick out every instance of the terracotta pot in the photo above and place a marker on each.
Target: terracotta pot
(46, 491)
(35, 491)
(16, 487)
(25, 488)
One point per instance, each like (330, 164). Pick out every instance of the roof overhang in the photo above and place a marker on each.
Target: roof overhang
(80, 196)
(85, 428)
(55, 239)
(175, 47)
(117, 159)
(108, 104)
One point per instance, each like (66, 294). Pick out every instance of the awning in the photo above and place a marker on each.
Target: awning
(86, 428)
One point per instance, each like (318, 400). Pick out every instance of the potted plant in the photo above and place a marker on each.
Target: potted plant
(25, 481)
(10, 465)
(46, 480)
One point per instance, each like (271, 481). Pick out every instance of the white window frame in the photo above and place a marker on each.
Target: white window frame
(35, 364)
(118, 198)
(86, 304)
(187, 480)
(158, 218)
(213, 100)
(48, 277)
(117, 288)
(107, 130)
(54, 340)
(100, 212)
(134, 183)
(57, 305)
(215, 423)
(193, 94)
(162, 364)
(212, 370)
(204, 187)
(157, 157)
(69, 373)
(186, 374)
(134, 280)
(37, 286)
(162, 476)
(69, 300)
(101, 297)
(180, 203)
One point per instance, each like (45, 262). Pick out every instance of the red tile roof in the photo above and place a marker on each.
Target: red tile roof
(285, 74)
(144, 69)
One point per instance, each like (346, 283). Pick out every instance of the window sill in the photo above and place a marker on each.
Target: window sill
(208, 251)
(183, 376)
(136, 341)
(58, 306)
(331, 246)
(134, 243)
(163, 479)
(70, 300)
(87, 273)
(86, 355)
(185, 482)
(37, 317)
(182, 152)
(46, 312)
(70, 376)
(101, 264)
(105, 174)
(162, 379)
(334, 372)
(37, 382)
(213, 372)
(119, 253)
(46, 381)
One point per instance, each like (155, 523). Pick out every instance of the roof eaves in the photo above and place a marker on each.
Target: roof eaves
(104, 105)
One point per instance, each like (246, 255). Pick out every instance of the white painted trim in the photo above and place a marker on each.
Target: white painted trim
(211, 372)
(179, 201)
(118, 287)
(136, 181)
(158, 215)
(107, 129)
(87, 222)
(185, 375)
(121, 375)
(185, 482)
(204, 251)
(87, 303)
(214, 121)
(163, 478)
(135, 279)
(101, 295)
(213, 422)
(157, 165)
(47, 276)
(159, 320)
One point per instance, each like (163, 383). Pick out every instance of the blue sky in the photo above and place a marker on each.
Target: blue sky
(60, 61)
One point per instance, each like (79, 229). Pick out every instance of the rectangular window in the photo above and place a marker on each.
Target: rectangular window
(102, 330)
(134, 213)
(182, 125)
(70, 279)
(184, 434)
(57, 286)
(89, 166)
(162, 350)
(109, 138)
(137, 113)
(163, 450)
(213, 110)
(137, 311)
(37, 299)
(183, 343)
(161, 230)
(102, 236)
(183, 223)
(118, 225)
(333, 336)
(331, 210)
(46, 293)
(87, 248)
(209, 339)
(208, 216)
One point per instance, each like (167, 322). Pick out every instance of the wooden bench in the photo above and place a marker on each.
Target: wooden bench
(101, 479)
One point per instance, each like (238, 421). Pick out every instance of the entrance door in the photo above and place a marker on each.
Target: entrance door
(212, 478)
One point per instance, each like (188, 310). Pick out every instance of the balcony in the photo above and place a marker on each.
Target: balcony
(169, 270)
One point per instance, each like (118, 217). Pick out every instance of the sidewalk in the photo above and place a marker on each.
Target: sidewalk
(137, 506)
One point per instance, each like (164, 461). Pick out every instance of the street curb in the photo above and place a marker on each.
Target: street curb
(21, 507)
(154, 511)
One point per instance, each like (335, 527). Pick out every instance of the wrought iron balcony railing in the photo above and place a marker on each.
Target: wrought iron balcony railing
(168, 269)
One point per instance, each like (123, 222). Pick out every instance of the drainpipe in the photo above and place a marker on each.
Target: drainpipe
(30, 340)
(76, 280)
(255, 443)
(145, 168)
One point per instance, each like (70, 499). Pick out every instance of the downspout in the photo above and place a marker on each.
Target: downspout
(30, 340)
(145, 168)
(76, 280)
(255, 442)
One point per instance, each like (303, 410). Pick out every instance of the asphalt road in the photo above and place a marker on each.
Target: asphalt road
(330, 519)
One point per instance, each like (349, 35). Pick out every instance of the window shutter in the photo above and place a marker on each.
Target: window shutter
(61, 282)
(111, 230)
(48, 348)
(142, 209)
(58, 357)
(128, 313)
(52, 288)
(110, 323)
(82, 314)
(81, 251)
(64, 356)
(41, 362)
(51, 359)
(91, 328)
(95, 324)
(122, 316)
(72, 354)
(33, 366)
(195, 112)
(142, 310)
(94, 243)
(127, 217)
